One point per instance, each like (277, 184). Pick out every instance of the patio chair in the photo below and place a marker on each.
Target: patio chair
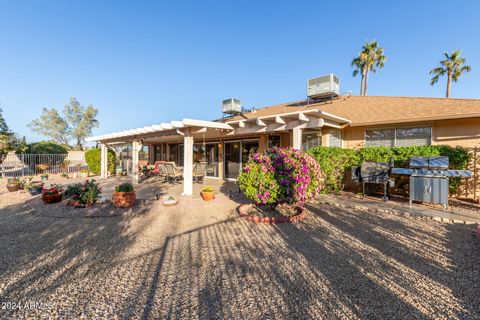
(173, 174)
(199, 171)
(160, 169)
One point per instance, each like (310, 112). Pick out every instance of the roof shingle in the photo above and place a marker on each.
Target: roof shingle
(370, 110)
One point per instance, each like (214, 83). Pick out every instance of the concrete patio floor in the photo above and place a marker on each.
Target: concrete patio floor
(199, 260)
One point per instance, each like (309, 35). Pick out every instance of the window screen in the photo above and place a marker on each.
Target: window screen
(380, 138)
(335, 138)
(413, 136)
(311, 139)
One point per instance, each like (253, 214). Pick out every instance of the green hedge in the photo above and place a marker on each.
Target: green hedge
(335, 161)
(92, 157)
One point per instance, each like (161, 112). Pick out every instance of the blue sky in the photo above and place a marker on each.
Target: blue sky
(145, 62)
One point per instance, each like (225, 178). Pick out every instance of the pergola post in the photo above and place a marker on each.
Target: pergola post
(135, 151)
(187, 163)
(103, 161)
(297, 138)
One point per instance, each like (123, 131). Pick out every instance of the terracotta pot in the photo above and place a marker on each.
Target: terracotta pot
(52, 198)
(124, 199)
(12, 187)
(207, 196)
(34, 191)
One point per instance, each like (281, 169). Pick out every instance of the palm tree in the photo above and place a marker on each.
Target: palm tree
(369, 59)
(360, 67)
(453, 66)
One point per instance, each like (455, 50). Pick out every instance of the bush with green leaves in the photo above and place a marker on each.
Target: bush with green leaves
(93, 157)
(336, 161)
(281, 175)
(124, 187)
(84, 193)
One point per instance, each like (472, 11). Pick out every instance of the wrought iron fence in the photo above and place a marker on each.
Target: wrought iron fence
(18, 165)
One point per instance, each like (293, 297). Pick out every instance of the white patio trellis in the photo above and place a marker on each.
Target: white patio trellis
(185, 128)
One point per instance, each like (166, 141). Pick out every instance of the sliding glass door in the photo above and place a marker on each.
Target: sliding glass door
(232, 159)
(236, 153)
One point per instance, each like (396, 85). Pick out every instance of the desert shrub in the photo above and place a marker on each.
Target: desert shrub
(93, 156)
(124, 187)
(85, 193)
(281, 175)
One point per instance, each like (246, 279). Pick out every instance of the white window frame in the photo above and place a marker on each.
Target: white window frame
(341, 136)
(312, 131)
(395, 132)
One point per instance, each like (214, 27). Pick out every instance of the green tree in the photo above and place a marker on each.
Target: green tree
(360, 68)
(7, 137)
(453, 66)
(21, 145)
(76, 124)
(370, 59)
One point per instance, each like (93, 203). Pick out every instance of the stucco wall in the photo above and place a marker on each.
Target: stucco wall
(458, 132)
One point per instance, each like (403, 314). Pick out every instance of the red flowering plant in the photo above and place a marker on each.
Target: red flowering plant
(54, 189)
(281, 175)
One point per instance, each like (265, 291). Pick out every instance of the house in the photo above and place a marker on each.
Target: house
(345, 121)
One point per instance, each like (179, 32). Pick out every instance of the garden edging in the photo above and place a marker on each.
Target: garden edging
(244, 209)
(393, 211)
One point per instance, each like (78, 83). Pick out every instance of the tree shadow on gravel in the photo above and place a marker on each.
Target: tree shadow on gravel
(335, 264)
(39, 255)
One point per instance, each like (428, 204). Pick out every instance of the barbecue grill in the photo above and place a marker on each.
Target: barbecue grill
(429, 179)
(376, 173)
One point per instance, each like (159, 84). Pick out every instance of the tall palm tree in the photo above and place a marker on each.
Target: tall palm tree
(360, 68)
(369, 59)
(453, 66)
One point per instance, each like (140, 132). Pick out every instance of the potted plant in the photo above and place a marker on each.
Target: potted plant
(33, 187)
(84, 173)
(44, 176)
(207, 194)
(83, 194)
(52, 194)
(124, 195)
(170, 201)
(13, 184)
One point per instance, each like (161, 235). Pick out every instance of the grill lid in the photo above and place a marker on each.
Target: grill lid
(433, 163)
(374, 172)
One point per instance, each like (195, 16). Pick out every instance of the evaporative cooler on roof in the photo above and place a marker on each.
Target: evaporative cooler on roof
(326, 86)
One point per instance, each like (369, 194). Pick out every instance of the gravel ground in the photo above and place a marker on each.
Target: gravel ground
(199, 260)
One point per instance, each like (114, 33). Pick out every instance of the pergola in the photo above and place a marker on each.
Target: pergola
(187, 129)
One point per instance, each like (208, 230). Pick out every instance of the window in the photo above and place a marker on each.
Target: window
(273, 141)
(413, 136)
(143, 153)
(335, 138)
(380, 138)
(399, 137)
(157, 151)
(311, 139)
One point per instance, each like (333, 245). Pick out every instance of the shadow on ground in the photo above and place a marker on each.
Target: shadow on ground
(335, 264)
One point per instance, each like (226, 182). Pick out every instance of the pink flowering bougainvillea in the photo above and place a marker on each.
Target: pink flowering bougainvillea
(281, 175)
